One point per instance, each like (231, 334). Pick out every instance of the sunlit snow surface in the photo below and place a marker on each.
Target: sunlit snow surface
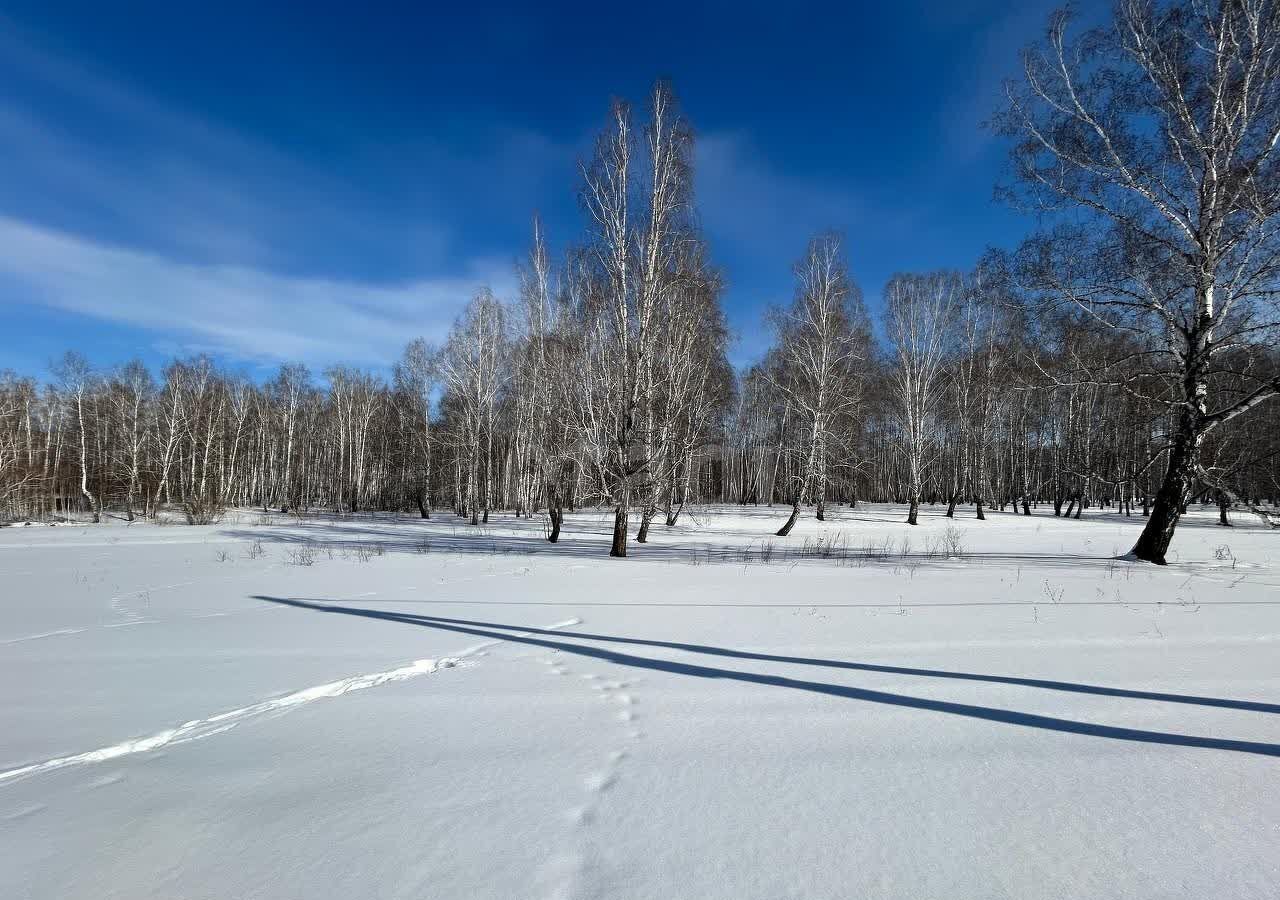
(434, 710)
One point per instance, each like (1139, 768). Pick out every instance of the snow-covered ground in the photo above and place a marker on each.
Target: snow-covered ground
(434, 710)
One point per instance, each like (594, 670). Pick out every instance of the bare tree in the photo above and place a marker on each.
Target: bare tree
(416, 377)
(473, 372)
(78, 383)
(638, 203)
(919, 313)
(288, 390)
(818, 349)
(972, 376)
(1163, 127)
(132, 392)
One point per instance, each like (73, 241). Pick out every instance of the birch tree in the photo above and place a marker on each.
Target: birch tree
(637, 199)
(1163, 128)
(132, 392)
(819, 348)
(919, 310)
(473, 369)
(78, 381)
(416, 378)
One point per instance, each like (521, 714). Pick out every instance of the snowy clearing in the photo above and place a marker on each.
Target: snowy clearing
(386, 707)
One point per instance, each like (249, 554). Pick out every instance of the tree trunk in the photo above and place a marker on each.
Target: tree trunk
(473, 487)
(642, 536)
(913, 512)
(619, 547)
(791, 522)
(1156, 536)
(556, 511)
(674, 515)
(94, 506)
(674, 510)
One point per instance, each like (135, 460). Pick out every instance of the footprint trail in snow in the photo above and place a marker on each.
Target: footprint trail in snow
(566, 871)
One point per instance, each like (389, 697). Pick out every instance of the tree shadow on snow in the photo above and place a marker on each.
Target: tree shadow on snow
(538, 637)
(593, 543)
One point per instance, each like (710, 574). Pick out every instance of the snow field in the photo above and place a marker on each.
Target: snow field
(428, 709)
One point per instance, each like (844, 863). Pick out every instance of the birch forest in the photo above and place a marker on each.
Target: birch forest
(1123, 357)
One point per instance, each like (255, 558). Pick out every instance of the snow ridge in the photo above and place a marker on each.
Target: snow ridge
(197, 729)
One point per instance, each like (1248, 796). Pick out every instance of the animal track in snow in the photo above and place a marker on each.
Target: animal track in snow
(566, 879)
(612, 691)
(599, 782)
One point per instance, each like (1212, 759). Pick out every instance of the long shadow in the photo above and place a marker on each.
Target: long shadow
(730, 604)
(520, 635)
(1045, 684)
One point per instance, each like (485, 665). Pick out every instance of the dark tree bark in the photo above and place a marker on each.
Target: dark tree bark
(619, 546)
(555, 510)
(791, 520)
(673, 515)
(1156, 536)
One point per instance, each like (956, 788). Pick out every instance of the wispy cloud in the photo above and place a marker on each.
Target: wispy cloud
(760, 217)
(746, 200)
(232, 310)
(123, 209)
(91, 155)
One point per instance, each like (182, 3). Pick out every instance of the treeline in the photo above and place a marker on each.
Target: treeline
(510, 415)
(970, 402)
(1124, 356)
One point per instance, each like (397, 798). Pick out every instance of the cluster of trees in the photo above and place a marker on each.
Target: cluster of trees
(970, 401)
(1123, 356)
(604, 381)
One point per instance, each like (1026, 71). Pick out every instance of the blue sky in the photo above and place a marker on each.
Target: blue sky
(272, 185)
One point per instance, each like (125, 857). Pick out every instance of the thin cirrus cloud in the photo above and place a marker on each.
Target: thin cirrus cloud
(87, 154)
(760, 218)
(745, 200)
(235, 310)
(119, 209)
(194, 236)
